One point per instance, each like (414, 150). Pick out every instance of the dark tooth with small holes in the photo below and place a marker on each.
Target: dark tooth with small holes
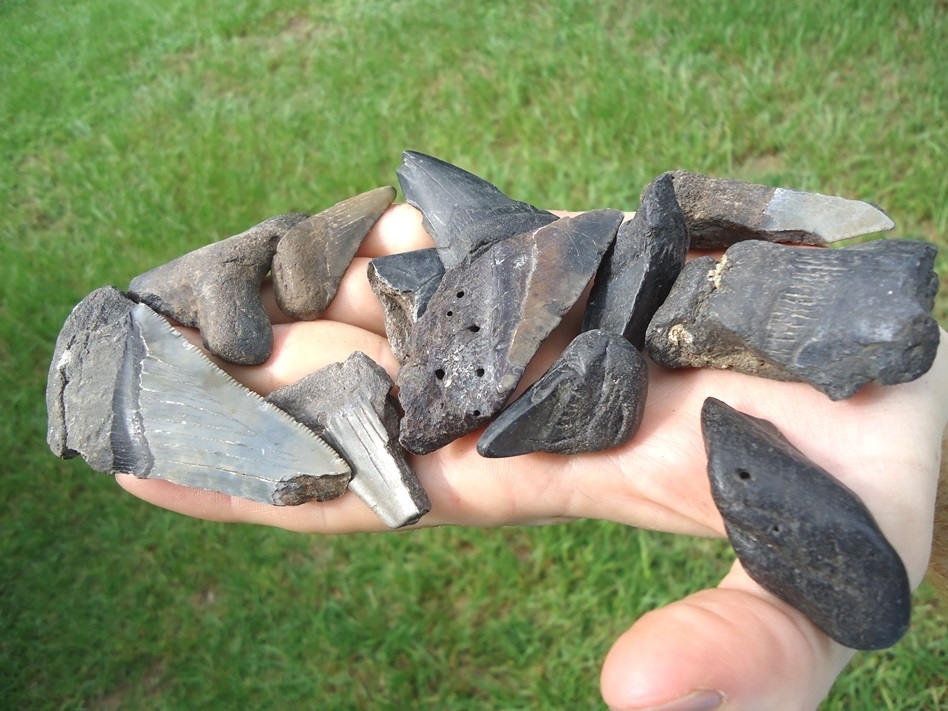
(487, 320)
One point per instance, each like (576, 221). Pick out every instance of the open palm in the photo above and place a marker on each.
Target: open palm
(736, 642)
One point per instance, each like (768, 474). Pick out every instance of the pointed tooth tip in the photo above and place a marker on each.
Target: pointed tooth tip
(830, 217)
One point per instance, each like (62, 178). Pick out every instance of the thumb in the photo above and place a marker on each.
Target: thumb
(734, 647)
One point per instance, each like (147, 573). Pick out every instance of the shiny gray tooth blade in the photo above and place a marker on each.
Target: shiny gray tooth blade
(722, 211)
(349, 404)
(130, 395)
(206, 431)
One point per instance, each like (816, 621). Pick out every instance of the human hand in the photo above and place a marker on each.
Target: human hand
(736, 639)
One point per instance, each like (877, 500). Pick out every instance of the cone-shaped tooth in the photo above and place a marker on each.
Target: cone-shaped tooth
(464, 214)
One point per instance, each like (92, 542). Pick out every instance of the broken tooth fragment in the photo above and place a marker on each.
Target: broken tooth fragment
(131, 395)
(722, 211)
(801, 534)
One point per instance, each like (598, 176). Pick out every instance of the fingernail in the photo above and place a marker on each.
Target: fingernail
(703, 700)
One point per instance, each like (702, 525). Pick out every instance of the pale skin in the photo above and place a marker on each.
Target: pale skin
(737, 640)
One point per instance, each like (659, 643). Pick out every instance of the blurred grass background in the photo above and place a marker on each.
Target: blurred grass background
(134, 131)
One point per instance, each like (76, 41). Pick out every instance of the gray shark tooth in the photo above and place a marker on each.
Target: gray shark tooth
(217, 289)
(833, 318)
(311, 258)
(349, 405)
(486, 321)
(639, 270)
(721, 211)
(463, 213)
(131, 395)
(803, 535)
(591, 399)
(404, 283)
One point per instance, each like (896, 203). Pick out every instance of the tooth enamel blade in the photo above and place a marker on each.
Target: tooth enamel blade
(832, 218)
(205, 430)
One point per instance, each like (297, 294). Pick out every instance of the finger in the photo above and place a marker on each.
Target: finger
(354, 303)
(398, 230)
(734, 647)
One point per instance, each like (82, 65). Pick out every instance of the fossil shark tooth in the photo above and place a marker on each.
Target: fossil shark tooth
(486, 321)
(217, 289)
(833, 318)
(721, 211)
(639, 270)
(404, 283)
(463, 213)
(348, 404)
(131, 395)
(313, 255)
(592, 398)
(803, 535)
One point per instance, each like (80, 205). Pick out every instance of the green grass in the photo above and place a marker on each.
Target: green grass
(133, 131)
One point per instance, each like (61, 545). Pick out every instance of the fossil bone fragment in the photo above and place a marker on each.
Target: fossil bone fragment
(592, 398)
(131, 395)
(721, 211)
(404, 283)
(313, 255)
(217, 289)
(803, 535)
(348, 404)
(639, 270)
(463, 213)
(833, 318)
(486, 321)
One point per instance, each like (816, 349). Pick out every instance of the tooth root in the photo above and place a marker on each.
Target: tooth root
(801, 534)
(464, 214)
(800, 314)
(349, 405)
(592, 398)
(217, 290)
(722, 211)
(312, 257)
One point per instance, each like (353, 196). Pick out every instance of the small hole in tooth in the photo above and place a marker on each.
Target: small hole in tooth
(476, 413)
(775, 528)
(479, 372)
(744, 474)
(450, 313)
(460, 294)
(439, 373)
(474, 329)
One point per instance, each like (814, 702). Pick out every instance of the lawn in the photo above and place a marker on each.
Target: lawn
(134, 131)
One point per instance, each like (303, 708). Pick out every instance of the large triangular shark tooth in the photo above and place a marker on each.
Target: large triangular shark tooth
(147, 402)
(721, 211)
(464, 214)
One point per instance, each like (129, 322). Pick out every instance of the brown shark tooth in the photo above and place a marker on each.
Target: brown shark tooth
(639, 270)
(348, 404)
(486, 321)
(217, 290)
(833, 318)
(591, 399)
(463, 213)
(131, 395)
(404, 283)
(311, 258)
(722, 211)
(803, 535)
